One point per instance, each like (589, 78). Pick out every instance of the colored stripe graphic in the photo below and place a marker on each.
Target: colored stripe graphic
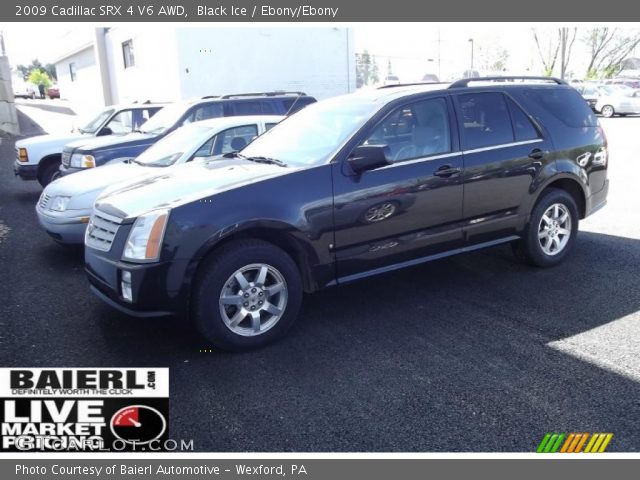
(574, 442)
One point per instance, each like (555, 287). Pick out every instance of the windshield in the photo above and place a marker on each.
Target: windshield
(164, 119)
(168, 150)
(96, 123)
(314, 134)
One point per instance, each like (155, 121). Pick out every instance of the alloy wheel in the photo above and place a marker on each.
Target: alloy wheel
(253, 299)
(554, 229)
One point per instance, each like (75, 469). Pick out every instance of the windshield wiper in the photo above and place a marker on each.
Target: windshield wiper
(271, 161)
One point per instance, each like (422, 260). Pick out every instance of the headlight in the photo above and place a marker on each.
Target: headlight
(59, 204)
(145, 238)
(80, 160)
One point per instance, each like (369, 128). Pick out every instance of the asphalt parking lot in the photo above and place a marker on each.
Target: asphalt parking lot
(472, 353)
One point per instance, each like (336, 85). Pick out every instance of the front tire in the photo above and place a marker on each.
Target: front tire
(551, 231)
(247, 294)
(49, 173)
(608, 111)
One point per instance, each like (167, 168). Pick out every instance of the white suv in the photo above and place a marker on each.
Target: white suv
(38, 158)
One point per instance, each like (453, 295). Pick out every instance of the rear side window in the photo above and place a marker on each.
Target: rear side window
(523, 129)
(485, 120)
(246, 108)
(566, 105)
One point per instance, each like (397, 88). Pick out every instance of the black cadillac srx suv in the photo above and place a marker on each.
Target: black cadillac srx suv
(351, 187)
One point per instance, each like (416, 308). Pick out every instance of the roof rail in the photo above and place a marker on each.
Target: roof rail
(210, 96)
(412, 84)
(465, 81)
(264, 94)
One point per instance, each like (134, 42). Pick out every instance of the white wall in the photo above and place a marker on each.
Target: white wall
(85, 90)
(155, 73)
(215, 61)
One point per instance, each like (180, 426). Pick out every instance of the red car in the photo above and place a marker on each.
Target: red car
(53, 92)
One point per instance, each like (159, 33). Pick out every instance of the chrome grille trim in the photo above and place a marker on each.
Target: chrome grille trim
(44, 200)
(101, 231)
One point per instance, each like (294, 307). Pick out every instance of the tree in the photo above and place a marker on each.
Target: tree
(565, 48)
(49, 69)
(492, 58)
(559, 43)
(39, 77)
(366, 69)
(608, 48)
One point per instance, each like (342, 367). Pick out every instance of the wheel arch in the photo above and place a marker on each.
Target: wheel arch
(569, 184)
(281, 235)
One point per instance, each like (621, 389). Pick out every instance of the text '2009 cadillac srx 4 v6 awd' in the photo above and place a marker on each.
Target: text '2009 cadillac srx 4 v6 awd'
(347, 188)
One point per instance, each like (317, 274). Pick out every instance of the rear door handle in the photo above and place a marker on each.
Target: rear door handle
(446, 171)
(536, 154)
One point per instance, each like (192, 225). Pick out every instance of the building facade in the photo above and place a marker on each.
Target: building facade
(163, 63)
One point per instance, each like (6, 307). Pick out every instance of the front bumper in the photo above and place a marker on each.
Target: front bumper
(64, 227)
(154, 293)
(25, 171)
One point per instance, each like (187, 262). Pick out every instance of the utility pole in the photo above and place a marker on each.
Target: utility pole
(471, 41)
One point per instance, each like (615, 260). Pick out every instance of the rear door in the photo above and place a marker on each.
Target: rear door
(504, 151)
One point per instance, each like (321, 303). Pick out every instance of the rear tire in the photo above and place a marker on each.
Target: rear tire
(247, 294)
(551, 232)
(49, 173)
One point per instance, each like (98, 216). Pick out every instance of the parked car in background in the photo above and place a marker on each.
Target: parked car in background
(430, 77)
(617, 100)
(78, 156)
(391, 80)
(39, 157)
(65, 205)
(23, 89)
(435, 170)
(627, 82)
(53, 92)
(590, 93)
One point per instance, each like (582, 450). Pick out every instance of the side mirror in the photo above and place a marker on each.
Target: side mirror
(105, 131)
(368, 157)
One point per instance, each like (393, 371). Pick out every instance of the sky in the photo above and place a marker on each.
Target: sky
(413, 48)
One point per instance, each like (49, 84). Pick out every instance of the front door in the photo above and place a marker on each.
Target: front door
(409, 209)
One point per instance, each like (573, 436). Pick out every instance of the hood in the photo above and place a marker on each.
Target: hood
(108, 141)
(60, 139)
(183, 184)
(83, 187)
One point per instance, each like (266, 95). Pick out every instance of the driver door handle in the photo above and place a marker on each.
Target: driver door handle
(447, 171)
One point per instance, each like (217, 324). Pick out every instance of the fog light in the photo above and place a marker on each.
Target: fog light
(125, 286)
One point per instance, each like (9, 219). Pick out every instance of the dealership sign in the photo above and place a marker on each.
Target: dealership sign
(83, 409)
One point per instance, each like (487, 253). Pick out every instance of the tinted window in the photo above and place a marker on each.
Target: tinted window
(269, 126)
(203, 112)
(247, 108)
(522, 126)
(413, 131)
(268, 108)
(566, 105)
(485, 120)
(293, 104)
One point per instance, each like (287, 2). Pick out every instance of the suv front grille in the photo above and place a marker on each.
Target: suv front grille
(44, 200)
(101, 231)
(66, 158)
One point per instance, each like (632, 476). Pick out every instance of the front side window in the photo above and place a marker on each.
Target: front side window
(121, 123)
(233, 139)
(414, 131)
(127, 54)
(485, 120)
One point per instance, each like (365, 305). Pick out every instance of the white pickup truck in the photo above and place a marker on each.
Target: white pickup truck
(38, 158)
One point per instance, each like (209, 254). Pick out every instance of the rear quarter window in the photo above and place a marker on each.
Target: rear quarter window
(565, 104)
